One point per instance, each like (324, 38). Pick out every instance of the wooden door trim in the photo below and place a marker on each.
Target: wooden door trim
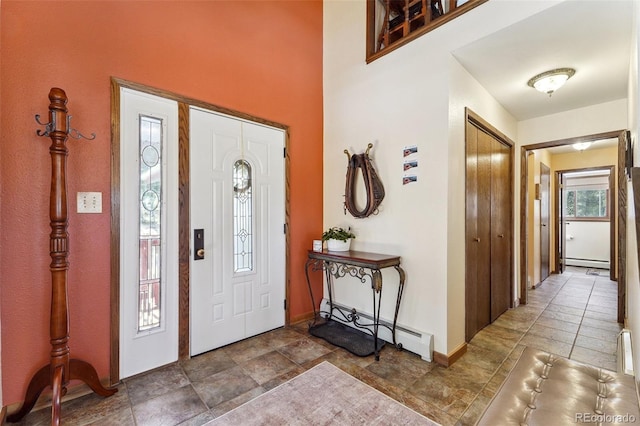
(114, 294)
(481, 123)
(549, 249)
(184, 103)
(611, 203)
(621, 208)
(623, 143)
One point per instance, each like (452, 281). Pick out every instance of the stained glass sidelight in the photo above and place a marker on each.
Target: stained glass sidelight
(242, 217)
(150, 190)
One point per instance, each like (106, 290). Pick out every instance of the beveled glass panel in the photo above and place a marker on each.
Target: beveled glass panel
(242, 217)
(150, 208)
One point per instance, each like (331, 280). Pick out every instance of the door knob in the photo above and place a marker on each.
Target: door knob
(200, 253)
(477, 240)
(500, 235)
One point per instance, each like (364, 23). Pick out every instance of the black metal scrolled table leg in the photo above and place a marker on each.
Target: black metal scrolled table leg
(307, 265)
(376, 288)
(327, 270)
(398, 299)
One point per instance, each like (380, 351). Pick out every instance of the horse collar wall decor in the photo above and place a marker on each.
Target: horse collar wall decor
(373, 186)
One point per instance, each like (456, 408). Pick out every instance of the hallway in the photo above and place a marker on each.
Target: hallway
(572, 315)
(579, 320)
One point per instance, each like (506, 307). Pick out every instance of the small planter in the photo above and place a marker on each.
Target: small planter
(338, 245)
(338, 239)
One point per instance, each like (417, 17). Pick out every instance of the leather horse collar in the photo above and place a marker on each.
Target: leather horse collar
(373, 185)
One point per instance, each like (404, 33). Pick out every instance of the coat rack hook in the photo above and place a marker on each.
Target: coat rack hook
(48, 126)
(77, 135)
(74, 133)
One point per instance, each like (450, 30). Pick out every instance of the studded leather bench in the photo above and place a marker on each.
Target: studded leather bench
(545, 389)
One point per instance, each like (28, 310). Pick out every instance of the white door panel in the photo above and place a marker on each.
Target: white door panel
(231, 302)
(144, 347)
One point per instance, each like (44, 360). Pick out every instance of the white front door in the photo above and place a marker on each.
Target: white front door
(237, 193)
(148, 232)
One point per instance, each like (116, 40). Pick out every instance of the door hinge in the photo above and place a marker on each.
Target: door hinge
(284, 228)
(284, 152)
(285, 304)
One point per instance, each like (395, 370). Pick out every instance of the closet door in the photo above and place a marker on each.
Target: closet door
(488, 232)
(478, 224)
(471, 232)
(484, 220)
(500, 228)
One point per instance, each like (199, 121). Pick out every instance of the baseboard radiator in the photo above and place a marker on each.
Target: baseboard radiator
(587, 263)
(625, 353)
(414, 341)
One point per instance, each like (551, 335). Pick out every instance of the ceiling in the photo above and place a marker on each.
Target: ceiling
(594, 37)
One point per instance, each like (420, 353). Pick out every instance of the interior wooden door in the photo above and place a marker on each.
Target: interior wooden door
(489, 229)
(471, 231)
(478, 225)
(500, 228)
(545, 215)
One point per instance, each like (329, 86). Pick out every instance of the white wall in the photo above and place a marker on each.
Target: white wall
(413, 96)
(589, 120)
(587, 241)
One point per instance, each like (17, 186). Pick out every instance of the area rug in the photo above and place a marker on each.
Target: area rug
(320, 396)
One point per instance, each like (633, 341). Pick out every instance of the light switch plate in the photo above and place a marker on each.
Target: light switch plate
(89, 202)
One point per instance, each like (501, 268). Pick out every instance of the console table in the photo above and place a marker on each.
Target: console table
(365, 267)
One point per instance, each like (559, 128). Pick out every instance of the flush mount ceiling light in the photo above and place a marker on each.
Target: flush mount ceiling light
(581, 146)
(550, 81)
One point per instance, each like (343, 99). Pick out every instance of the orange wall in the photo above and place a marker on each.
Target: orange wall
(263, 58)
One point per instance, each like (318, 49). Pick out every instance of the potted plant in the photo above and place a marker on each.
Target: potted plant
(338, 239)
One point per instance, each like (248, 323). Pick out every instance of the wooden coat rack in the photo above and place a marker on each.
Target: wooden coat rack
(61, 369)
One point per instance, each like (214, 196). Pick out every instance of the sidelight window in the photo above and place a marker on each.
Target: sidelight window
(150, 208)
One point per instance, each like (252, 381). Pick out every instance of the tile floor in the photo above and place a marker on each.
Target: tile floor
(573, 315)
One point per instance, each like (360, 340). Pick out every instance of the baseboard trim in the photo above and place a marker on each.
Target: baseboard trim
(301, 318)
(447, 360)
(44, 401)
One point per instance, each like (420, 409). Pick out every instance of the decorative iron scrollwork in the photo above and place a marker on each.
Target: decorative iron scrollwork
(339, 270)
(51, 126)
